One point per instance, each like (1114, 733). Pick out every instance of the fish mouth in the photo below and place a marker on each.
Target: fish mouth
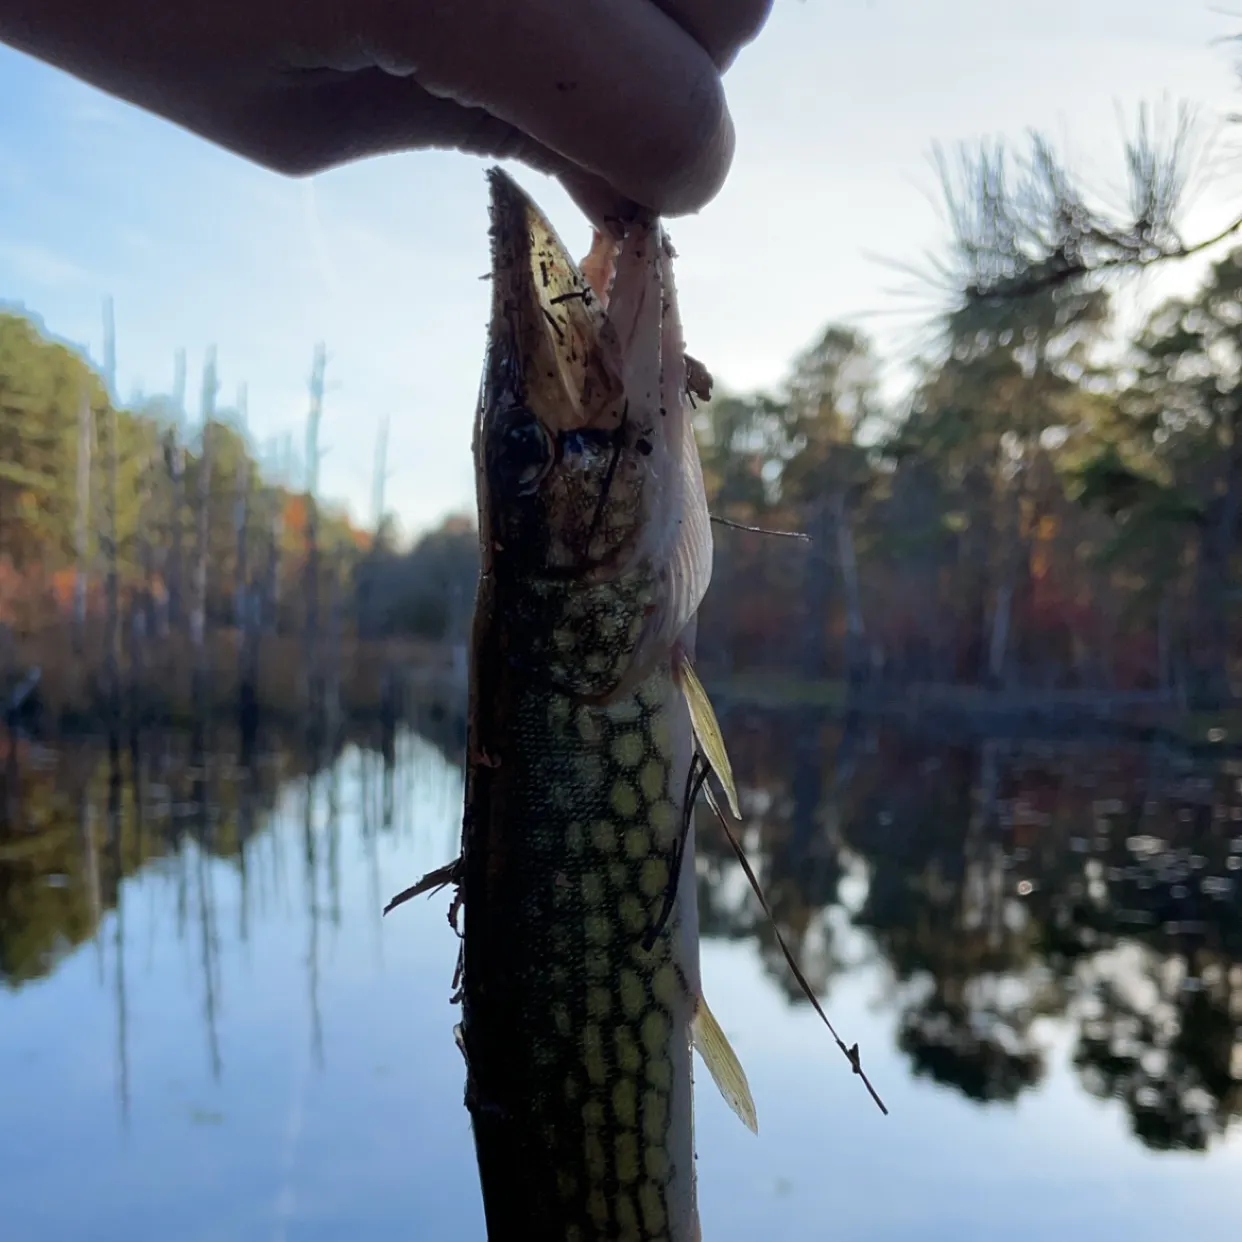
(552, 351)
(584, 450)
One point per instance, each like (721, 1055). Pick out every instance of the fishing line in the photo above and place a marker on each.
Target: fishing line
(695, 779)
(852, 1055)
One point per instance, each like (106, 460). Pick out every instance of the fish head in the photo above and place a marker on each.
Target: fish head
(591, 500)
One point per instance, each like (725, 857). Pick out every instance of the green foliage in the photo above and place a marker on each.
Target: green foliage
(43, 388)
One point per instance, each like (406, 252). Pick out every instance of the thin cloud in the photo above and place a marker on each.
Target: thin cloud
(29, 263)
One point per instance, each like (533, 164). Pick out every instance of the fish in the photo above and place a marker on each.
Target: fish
(589, 740)
(580, 985)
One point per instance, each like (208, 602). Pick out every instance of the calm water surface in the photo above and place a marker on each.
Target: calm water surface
(208, 1032)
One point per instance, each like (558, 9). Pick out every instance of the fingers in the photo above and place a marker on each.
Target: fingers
(621, 99)
(721, 27)
(615, 87)
(317, 121)
(313, 121)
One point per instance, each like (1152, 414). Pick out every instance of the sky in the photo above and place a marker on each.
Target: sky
(832, 195)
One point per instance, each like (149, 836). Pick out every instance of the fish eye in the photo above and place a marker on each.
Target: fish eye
(526, 452)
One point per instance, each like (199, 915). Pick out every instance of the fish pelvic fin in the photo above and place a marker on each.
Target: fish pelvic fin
(707, 730)
(722, 1063)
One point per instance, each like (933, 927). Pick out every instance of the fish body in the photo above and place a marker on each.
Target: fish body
(581, 996)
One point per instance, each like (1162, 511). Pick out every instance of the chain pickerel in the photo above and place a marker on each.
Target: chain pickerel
(589, 740)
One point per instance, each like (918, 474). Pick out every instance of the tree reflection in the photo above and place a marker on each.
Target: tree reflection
(792, 844)
(1164, 1040)
(85, 823)
(997, 883)
(1005, 883)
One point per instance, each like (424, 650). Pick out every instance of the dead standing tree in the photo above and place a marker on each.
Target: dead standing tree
(241, 517)
(246, 597)
(175, 460)
(82, 521)
(333, 655)
(368, 628)
(198, 616)
(112, 638)
(145, 612)
(369, 625)
(312, 675)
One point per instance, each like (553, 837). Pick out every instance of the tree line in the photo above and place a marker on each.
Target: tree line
(1037, 513)
(1030, 516)
(1049, 509)
(153, 526)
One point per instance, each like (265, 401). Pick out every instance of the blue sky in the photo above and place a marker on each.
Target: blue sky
(836, 106)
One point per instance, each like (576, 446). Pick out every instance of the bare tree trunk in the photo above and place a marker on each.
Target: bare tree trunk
(368, 628)
(816, 592)
(198, 617)
(176, 474)
(81, 534)
(245, 597)
(313, 680)
(112, 638)
(143, 612)
(332, 690)
(1012, 553)
(241, 516)
(855, 631)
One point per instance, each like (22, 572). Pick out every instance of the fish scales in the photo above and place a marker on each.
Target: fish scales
(591, 1019)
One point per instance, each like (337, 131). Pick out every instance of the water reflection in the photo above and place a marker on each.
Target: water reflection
(1001, 883)
(179, 927)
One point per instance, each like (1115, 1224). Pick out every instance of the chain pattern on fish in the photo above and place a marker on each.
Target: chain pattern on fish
(594, 1034)
(580, 988)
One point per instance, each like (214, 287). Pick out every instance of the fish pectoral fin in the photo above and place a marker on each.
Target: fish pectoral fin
(450, 873)
(707, 731)
(722, 1063)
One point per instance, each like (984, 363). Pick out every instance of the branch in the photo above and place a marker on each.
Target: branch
(1016, 237)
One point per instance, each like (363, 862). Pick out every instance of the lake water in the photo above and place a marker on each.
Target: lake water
(208, 1033)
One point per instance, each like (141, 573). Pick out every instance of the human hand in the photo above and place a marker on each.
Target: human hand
(620, 99)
